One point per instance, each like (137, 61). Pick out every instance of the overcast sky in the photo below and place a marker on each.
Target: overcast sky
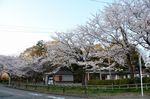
(24, 22)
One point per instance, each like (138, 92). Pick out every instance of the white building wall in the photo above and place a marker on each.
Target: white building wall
(116, 77)
(108, 77)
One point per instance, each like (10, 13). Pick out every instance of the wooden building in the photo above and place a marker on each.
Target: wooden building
(111, 75)
(58, 75)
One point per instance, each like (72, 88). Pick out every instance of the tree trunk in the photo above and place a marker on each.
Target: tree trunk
(131, 66)
(83, 79)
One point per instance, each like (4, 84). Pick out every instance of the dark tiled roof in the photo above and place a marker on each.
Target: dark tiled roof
(60, 71)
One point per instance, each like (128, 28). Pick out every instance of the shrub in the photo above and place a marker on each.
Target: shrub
(146, 80)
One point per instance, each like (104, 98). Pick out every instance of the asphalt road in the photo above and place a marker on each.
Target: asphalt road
(9, 93)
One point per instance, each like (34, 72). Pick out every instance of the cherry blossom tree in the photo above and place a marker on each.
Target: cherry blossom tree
(119, 28)
(138, 20)
(110, 27)
(76, 45)
(18, 67)
(56, 54)
(13, 65)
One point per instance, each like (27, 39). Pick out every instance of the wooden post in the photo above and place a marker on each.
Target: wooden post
(63, 89)
(136, 86)
(146, 87)
(112, 86)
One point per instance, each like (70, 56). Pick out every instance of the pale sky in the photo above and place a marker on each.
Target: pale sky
(24, 22)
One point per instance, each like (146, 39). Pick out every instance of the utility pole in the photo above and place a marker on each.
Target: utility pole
(141, 75)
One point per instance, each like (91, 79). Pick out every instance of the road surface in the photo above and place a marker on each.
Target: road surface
(9, 93)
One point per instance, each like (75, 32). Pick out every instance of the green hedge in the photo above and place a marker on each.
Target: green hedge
(118, 82)
(146, 79)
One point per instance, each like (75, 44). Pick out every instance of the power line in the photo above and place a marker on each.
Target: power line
(17, 26)
(26, 31)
